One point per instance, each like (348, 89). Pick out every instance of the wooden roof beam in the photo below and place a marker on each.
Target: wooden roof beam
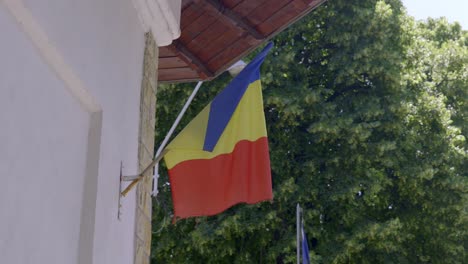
(236, 19)
(193, 61)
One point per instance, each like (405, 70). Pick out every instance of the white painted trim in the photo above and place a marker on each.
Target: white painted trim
(143, 14)
(162, 17)
(90, 190)
(172, 19)
(51, 55)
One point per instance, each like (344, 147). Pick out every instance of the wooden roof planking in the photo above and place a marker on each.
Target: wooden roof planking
(217, 33)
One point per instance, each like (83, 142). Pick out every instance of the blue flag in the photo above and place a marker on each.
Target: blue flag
(305, 247)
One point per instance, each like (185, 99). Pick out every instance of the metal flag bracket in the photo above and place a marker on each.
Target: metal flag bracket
(119, 212)
(134, 179)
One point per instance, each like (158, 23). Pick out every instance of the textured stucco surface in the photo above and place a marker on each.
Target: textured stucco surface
(146, 151)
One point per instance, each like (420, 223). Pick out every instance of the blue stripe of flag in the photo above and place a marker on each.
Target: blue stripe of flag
(225, 103)
(305, 248)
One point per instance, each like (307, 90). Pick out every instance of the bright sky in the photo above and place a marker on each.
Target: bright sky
(453, 10)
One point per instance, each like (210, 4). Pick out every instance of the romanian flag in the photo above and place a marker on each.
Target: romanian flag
(221, 157)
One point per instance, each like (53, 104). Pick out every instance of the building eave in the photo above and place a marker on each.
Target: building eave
(161, 17)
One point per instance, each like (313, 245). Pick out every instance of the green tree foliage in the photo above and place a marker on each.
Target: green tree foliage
(366, 113)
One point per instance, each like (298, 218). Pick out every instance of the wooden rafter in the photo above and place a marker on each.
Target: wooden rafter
(192, 59)
(236, 19)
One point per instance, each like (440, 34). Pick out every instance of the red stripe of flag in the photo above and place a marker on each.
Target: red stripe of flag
(210, 186)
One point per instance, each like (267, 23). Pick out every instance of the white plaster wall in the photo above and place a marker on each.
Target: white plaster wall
(43, 135)
(103, 42)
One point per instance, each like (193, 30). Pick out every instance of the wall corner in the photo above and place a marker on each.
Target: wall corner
(146, 151)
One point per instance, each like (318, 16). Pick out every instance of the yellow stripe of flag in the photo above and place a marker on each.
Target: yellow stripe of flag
(247, 123)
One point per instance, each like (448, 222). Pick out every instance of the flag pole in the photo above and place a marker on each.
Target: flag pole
(298, 233)
(160, 152)
(169, 134)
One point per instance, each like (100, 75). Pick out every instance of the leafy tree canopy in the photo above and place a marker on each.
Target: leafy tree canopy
(367, 118)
